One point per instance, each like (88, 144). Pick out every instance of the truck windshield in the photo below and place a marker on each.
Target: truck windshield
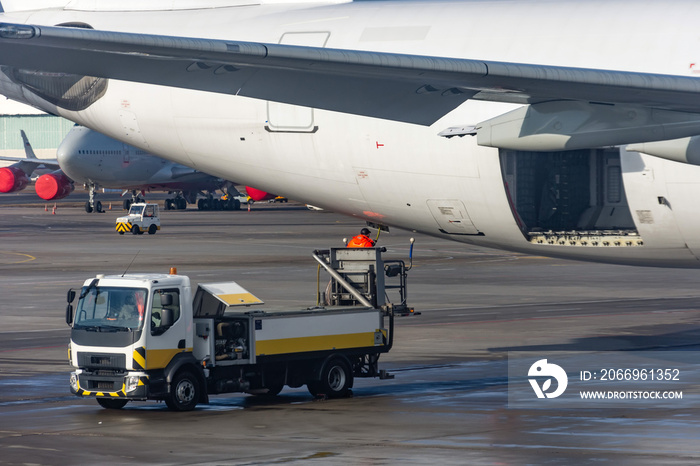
(136, 210)
(110, 308)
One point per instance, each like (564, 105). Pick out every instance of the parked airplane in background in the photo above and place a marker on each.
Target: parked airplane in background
(513, 125)
(95, 160)
(16, 177)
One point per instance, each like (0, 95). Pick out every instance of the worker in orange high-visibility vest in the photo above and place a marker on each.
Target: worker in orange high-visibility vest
(362, 240)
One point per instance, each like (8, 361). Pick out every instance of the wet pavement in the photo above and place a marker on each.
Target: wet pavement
(448, 402)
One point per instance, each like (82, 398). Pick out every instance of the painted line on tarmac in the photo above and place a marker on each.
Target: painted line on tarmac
(36, 331)
(28, 257)
(525, 319)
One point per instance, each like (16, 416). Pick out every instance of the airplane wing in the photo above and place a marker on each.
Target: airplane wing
(28, 166)
(48, 163)
(407, 88)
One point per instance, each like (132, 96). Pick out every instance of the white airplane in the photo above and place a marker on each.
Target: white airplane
(95, 160)
(517, 125)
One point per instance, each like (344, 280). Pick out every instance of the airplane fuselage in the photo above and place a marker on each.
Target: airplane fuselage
(88, 157)
(622, 207)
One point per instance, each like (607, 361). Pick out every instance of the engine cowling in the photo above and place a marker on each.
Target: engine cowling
(12, 179)
(258, 195)
(53, 186)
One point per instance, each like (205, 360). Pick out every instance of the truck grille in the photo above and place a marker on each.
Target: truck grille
(102, 385)
(95, 383)
(107, 373)
(101, 361)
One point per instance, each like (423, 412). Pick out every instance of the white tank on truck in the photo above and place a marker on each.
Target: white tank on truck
(138, 337)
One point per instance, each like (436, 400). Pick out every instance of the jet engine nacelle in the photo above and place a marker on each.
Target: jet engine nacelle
(12, 179)
(53, 186)
(258, 195)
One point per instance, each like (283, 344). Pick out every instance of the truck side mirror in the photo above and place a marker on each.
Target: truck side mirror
(166, 317)
(166, 300)
(69, 312)
(71, 296)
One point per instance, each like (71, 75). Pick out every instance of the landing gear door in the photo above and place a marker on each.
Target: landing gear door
(452, 217)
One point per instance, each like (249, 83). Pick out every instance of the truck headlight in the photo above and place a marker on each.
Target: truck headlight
(74, 381)
(132, 382)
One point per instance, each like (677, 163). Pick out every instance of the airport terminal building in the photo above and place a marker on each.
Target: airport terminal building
(45, 132)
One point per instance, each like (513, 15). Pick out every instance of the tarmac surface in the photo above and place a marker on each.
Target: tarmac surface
(449, 401)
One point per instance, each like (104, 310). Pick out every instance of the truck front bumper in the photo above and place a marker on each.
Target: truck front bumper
(123, 227)
(132, 385)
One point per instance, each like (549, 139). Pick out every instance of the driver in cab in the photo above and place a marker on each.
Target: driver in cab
(128, 314)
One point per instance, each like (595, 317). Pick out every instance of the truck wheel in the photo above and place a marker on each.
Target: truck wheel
(112, 403)
(274, 389)
(152, 229)
(184, 392)
(336, 380)
(135, 230)
(314, 388)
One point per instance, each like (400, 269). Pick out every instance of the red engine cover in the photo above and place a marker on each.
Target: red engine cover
(53, 186)
(12, 179)
(257, 195)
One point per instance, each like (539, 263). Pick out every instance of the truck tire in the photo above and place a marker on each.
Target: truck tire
(336, 380)
(112, 403)
(184, 392)
(274, 389)
(135, 230)
(152, 229)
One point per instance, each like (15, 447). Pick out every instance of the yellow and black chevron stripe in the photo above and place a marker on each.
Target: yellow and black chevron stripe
(140, 359)
(123, 227)
(143, 380)
(120, 394)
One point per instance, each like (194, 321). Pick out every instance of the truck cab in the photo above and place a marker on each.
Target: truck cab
(142, 217)
(126, 331)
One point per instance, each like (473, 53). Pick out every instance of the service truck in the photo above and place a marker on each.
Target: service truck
(149, 337)
(142, 217)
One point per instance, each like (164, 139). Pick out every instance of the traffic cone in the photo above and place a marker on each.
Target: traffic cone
(53, 211)
(46, 207)
(249, 207)
(110, 206)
